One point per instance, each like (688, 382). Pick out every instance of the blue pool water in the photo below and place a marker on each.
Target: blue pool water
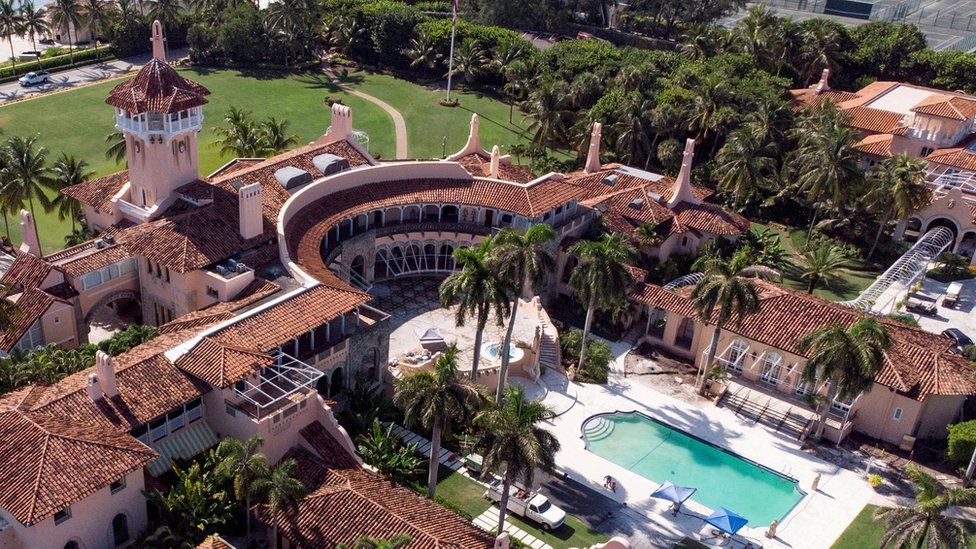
(659, 453)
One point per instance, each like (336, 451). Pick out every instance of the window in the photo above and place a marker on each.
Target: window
(120, 529)
(897, 414)
(157, 429)
(176, 419)
(194, 410)
(231, 411)
(737, 353)
(62, 515)
(212, 293)
(117, 486)
(34, 337)
(686, 333)
(71, 545)
(772, 368)
(684, 241)
(926, 151)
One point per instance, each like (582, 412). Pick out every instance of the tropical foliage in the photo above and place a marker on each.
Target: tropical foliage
(924, 523)
(385, 451)
(244, 138)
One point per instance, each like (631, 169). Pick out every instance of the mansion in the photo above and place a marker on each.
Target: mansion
(257, 276)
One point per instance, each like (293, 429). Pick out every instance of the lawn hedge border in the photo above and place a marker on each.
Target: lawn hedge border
(81, 58)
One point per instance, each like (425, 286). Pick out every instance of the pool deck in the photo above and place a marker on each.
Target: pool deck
(815, 522)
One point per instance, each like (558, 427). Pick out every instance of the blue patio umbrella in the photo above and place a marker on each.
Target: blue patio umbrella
(672, 493)
(726, 521)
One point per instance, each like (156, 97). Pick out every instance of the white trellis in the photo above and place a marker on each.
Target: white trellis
(686, 280)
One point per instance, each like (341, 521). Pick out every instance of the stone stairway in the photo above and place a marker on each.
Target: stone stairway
(550, 353)
(766, 410)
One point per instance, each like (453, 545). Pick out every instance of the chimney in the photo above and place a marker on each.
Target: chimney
(593, 155)
(474, 141)
(249, 210)
(94, 391)
(341, 122)
(158, 41)
(106, 374)
(502, 541)
(681, 191)
(495, 156)
(28, 233)
(822, 85)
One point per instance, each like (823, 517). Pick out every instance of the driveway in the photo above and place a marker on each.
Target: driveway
(80, 76)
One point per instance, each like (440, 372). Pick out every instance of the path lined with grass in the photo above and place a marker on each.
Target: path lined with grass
(399, 124)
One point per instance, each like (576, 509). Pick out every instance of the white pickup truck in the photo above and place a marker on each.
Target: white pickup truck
(528, 504)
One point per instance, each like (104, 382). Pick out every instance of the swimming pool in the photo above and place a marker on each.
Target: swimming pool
(658, 452)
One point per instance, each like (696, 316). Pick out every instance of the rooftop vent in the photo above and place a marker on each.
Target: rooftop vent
(636, 203)
(329, 164)
(611, 179)
(654, 196)
(291, 177)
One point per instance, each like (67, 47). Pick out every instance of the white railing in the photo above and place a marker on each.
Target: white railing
(277, 383)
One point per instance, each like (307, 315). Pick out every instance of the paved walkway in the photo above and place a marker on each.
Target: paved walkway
(488, 521)
(11, 91)
(399, 124)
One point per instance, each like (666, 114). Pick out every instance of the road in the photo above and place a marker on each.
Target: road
(78, 77)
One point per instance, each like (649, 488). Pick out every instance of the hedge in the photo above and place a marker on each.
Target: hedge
(81, 57)
(962, 441)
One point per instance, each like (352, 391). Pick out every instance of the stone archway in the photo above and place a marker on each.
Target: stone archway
(114, 299)
(947, 223)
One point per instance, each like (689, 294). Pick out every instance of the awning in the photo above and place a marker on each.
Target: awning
(428, 335)
(183, 444)
(672, 493)
(726, 521)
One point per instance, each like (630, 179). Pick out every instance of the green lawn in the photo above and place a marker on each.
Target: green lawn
(851, 283)
(77, 121)
(467, 494)
(866, 532)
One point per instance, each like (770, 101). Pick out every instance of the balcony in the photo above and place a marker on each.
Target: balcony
(286, 383)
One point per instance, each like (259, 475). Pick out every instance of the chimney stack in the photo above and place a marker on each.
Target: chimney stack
(593, 155)
(681, 191)
(823, 85)
(94, 391)
(341, 123)
(249, 210)
(158, 41)
(495, 157)
(28, 233)
(106, 374)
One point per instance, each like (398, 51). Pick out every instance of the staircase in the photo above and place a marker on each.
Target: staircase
(550, 353)
(766, 410)
(597, 429)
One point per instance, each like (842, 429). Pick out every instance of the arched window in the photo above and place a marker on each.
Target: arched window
(737, 355)
(72, 545)
(120, 529)
(772, 368)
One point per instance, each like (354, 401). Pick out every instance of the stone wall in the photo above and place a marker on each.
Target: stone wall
(368, 346)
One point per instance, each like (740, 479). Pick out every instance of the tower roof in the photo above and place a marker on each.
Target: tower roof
(157, 88)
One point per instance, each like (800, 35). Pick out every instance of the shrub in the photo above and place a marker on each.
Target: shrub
(202, 40)
(875, 481)
(391, 26)
(129, 37)
(962, 441)
(80, 57)
(242, 36)
(598, 356)
(905, 318)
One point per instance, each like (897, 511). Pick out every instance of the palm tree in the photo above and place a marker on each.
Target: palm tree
(514, 440)
(275, 136)
(116, 146)
(67, 15)
(745, 166)
(470, 60)
(723, 295)
(242, 137)
(602, 279)
(898, 191)
(166, 11)
(241, 462)
(547, 110)
(35, 23)
(279, 489)
(98, 13)
(585, 90)
(518, 81)
(823, 263)
(26, 175)
(521, 259)
(633, 127)
(708, 112)
(925, 524)
(826, 163)
(67, 171)
(700, 42)
(11, 24)
(846, 359)
(127, 10)
(480, 291)
(434, 400)
(422, 52)
(395, 542)
(820, 48)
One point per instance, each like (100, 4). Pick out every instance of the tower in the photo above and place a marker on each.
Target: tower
(160, 114)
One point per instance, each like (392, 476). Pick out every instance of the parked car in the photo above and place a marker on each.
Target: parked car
(962, 340)
(34, 78)
(952, 295)
(528, 504)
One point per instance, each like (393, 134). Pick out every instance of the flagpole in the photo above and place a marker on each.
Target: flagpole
(450, 57)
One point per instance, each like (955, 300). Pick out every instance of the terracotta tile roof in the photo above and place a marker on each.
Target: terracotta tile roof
(593, 186)
(709, 218)
(944, 106)
(26, 272)
(157, 87)
(31, 305)
(327, 447)
(873, 120)
(346, 503)
(48, 463)
(480, 166)
(97, 192)
(214, 542)
(917, 364)
(808, 97)
(95, 259)
(877, 145)
(149, 385)
(957, 157)
(222, 365)
(235, 165)
(257, 290)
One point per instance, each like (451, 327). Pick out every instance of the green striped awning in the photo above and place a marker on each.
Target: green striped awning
(184, 444)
